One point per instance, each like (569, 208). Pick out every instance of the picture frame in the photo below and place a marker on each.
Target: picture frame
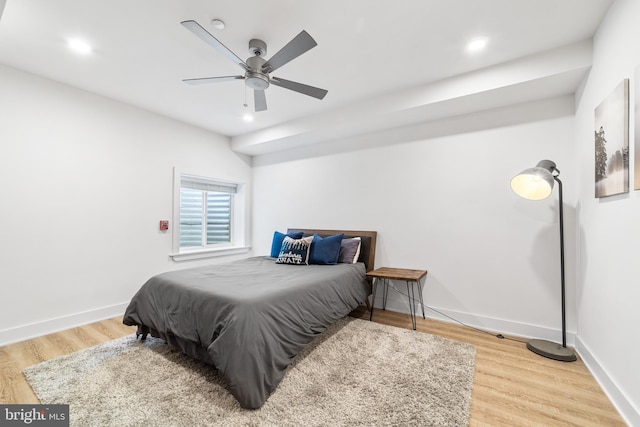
(612, 143)
(636, 162)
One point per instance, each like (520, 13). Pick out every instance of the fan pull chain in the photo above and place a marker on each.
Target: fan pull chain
(245, 96)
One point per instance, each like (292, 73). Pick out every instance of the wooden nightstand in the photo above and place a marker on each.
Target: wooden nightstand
(409, 276)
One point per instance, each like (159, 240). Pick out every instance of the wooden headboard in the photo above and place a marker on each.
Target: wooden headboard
(367, 250)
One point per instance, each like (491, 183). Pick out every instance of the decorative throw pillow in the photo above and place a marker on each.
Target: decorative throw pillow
(325, 250)
(278, 237)
(295, 251)
(349, 250)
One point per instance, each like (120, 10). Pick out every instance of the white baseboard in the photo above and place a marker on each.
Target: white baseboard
(34, 330)
(630, 414)
(489, 324)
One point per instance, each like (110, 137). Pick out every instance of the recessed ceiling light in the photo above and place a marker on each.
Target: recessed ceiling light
(477, 44)
(247, 118)
(218, 24)
(79, 46)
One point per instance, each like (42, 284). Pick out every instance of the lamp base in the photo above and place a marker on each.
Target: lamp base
(552, 350)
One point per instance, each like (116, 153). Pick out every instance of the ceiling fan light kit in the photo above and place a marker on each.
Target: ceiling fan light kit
(256, 68)
(254, 79)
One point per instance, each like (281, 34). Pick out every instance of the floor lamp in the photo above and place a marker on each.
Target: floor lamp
(536, 184)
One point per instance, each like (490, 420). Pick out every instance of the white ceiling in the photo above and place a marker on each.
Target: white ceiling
(375, 57)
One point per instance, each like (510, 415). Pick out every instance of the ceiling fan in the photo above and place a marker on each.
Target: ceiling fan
(256, 68)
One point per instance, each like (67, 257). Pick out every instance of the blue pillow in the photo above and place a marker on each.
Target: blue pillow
(278, 237)
(325, 250)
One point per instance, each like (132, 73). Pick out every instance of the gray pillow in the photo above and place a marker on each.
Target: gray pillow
(349, 250)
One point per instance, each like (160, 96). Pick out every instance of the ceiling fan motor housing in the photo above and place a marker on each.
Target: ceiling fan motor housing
(257, 47)
(254, 77)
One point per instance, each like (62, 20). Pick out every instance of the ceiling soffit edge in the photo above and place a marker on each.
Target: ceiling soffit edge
(548, 74)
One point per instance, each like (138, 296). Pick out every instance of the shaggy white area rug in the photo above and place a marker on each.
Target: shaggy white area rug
(356, 373)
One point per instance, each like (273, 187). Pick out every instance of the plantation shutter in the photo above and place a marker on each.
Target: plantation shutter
(205, 211)
(218, 218)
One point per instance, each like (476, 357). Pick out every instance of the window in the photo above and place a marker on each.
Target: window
(206, 208)
(209, 216)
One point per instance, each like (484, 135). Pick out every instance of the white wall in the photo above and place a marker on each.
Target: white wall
(84, 181)
(609, 229)
(443, 204)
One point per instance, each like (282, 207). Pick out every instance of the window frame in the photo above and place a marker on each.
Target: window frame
(238, 221)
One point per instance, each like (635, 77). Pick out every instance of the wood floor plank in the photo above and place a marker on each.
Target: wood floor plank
(13, 387)
(512, 386)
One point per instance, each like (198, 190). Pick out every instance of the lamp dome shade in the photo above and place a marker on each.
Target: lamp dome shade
(534, 183)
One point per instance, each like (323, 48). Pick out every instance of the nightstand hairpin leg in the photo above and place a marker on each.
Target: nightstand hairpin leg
(385, 290)
(385, 293)
(412, 302)
(374, 286)
(420, 296)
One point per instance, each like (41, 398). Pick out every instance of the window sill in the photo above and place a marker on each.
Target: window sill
(209, 253)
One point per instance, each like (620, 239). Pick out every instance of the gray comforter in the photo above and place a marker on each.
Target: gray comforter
(251, 317)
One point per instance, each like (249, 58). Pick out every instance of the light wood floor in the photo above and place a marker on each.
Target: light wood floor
(512, 386)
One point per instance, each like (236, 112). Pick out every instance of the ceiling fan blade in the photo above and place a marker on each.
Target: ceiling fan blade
(207, 80)
(296, 47)
(299, 87)
(260, 100)
(199, 31)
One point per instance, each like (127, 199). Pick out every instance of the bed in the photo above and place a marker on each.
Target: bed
(250, 318)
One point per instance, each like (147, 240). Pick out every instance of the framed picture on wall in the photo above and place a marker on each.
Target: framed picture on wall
(612, 143)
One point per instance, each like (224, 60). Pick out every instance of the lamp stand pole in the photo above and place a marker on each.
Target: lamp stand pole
(550, 349)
